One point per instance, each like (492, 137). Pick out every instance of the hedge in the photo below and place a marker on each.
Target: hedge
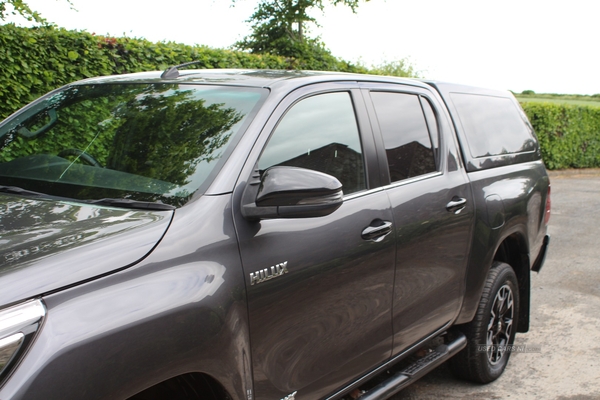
(569, 135)
(34, 61)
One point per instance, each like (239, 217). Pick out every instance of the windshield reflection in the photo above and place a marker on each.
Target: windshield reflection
(148, 142)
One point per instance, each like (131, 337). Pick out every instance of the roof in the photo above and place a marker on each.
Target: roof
(244, 77)
(447, 87)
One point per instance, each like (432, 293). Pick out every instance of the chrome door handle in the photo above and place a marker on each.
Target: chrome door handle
(377, 233)
(456, 205)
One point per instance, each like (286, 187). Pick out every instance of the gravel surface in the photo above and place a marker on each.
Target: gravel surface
(565, 311)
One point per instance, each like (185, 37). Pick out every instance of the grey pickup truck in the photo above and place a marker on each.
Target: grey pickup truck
(235, 234)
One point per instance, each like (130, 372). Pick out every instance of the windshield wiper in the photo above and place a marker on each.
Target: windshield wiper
(127, 203)
(122, 203)
(20, 191)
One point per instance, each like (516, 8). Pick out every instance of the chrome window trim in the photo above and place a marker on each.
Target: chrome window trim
(362, 193)
(412, 180)
(393, 185)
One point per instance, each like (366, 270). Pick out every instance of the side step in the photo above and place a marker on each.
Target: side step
(416, 370)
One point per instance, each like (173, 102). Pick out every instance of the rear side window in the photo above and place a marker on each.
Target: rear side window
(319, 133)
(492, 125)
(405, 134)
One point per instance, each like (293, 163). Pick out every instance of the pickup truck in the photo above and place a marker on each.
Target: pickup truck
(240, 234)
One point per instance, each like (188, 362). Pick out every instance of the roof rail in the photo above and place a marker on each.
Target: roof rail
(173, 72)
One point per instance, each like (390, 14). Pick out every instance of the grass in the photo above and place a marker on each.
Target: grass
(571, 99)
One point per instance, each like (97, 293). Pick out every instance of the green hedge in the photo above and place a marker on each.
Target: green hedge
(569, 135)
(34, 61)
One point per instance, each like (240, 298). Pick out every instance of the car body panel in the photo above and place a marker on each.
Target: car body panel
(432, 249)
(181, 309)
(46, 245)
(331, 311)
(522, 192)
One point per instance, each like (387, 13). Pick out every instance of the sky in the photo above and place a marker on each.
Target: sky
(546, 46)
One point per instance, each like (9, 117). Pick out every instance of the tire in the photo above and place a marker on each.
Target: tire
(485, 357)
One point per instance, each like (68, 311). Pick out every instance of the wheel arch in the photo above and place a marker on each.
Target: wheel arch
(189, 386)
(513, 250)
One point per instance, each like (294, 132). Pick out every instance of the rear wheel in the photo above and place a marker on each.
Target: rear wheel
(493, 329)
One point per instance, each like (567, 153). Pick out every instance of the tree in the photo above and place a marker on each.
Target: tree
(20, 7)
(279, 27)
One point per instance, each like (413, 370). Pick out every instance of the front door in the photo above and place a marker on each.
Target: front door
(329, 316)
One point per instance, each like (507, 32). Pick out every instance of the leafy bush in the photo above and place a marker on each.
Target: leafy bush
(401, 67)
(35, 61)
(569, 135)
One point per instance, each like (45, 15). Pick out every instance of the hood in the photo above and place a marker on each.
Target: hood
(46, 245)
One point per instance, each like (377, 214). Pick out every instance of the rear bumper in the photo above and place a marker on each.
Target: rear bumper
(539, 261)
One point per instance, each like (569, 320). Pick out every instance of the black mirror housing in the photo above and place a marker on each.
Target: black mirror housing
(291, 192)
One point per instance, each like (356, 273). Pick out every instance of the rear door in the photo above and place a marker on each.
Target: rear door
(432, 208)
(328, 318)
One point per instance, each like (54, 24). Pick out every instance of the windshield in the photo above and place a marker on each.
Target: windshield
(146, 142)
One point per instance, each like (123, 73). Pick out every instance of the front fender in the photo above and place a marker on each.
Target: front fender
(181, 310)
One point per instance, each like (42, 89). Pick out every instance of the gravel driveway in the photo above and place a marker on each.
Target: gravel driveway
(565, 311)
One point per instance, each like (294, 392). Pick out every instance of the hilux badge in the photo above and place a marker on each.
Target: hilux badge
(268, 273)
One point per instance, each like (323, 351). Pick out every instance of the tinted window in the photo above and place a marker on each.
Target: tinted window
(493, 125)
(150, 142)
(319, 133)
(405, 134)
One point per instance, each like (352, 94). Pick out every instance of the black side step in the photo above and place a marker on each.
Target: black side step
(416, 370)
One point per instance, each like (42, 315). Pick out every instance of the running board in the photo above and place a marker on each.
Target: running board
(416, 370)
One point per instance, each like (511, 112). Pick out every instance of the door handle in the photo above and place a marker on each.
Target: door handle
(377, 233)
(456, 205)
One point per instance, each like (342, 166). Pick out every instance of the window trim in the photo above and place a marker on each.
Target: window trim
(435, 146)
(413, 179)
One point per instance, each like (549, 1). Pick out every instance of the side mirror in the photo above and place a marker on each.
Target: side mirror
(291, 192)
